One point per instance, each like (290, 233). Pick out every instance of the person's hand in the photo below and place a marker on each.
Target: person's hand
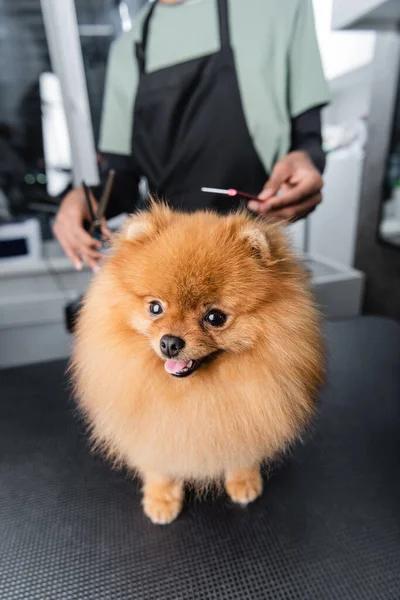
(78, 244)
(299, 184)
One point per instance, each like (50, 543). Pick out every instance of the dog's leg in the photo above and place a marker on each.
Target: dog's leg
(162, 498)
(244, 485)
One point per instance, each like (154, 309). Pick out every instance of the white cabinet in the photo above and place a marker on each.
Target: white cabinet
(376, 15)
(333, 226)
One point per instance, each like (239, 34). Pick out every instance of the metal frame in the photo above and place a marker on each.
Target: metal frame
(63, 41)
(380, 262)
(382, 111)
(380, 239)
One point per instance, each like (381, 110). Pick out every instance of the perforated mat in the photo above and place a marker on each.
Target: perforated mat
(327, 526)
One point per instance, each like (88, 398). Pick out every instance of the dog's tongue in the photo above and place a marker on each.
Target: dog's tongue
(175, 366)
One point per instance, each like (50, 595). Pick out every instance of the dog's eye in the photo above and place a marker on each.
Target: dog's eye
(215, 318)
(156, 309)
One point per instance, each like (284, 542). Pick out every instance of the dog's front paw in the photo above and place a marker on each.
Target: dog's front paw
(244, 486)
(161, 511)
(162, 503)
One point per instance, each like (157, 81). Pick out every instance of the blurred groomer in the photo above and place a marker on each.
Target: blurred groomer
(217, 93)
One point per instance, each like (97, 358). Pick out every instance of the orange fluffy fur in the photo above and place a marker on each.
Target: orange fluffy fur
(242, 408)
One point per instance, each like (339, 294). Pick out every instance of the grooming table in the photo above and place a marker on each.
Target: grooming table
(327, 526)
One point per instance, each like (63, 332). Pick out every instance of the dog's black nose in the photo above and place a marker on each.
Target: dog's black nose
(171, 345)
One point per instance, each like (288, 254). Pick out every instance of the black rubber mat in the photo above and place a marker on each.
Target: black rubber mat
(327, 526)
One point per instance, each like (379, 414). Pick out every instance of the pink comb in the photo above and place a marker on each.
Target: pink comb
(230, 192)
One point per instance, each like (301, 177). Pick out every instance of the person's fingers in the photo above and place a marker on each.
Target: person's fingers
(254, 206)
(84, 238)
(74, 258)
(67, 246)
(80, 248)
(307, 187)
(90, 253)
(261, 206)
(80, 244)
(299, 210)
(68, 229)
(92, 261)
(280, 173)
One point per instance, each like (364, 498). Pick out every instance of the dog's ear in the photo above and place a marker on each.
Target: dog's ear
(256, 238)
(147, 224)
(137, 228)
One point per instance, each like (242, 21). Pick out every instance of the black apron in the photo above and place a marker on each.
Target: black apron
(189, 128)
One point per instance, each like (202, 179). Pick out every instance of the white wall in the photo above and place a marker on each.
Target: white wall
(351, 96)
(352, 103)
(342, 51)
(347, 57)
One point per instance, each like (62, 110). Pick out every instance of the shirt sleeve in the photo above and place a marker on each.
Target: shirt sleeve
(307, 136)
(116, 119)
(307, 85)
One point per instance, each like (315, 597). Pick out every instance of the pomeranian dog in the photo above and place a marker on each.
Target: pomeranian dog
(198, 353)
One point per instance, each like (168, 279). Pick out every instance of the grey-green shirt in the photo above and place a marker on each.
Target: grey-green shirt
(277, 61)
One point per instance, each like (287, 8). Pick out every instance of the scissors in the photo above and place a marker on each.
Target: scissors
(95, 219)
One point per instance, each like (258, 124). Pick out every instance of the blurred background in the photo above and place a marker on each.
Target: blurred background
(52, 69)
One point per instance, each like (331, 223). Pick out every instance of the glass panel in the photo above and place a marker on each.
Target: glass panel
(33, 135)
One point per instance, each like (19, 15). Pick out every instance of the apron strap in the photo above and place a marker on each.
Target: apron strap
(142, 45)
(223, 18)
(224, 33)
